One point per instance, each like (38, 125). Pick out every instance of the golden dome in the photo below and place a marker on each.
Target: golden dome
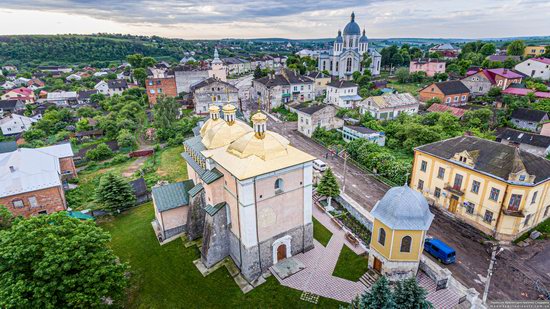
(270, 146)
(229, 108)
(259, 117)
(223, 133)
(214, 119)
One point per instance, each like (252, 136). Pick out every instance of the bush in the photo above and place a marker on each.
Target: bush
(120, 158)
(101, 152)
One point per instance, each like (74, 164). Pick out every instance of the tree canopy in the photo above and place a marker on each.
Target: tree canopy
(114, 193)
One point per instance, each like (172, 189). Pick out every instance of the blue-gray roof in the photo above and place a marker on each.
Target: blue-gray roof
(212, 210)
(196, 189)
(8, 146)
(403, 208)
(211, 176)
(194, 165)
(352, 28)
(172, 196)
(363, 38)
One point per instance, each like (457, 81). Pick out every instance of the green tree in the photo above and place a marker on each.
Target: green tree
(378, 297)
(328, 186)
(6, 218)
(166, 112)
(101, 152)
(126, 139)
(55, 261)
(516, 48)
(402, 75)
(257, 72)
(114, 193)
(407, 294)
(140, 75)
(488, 49)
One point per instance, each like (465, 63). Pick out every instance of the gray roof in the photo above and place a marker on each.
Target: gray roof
(352, 28)
(8, 146)
(313, 109)
(361, 129)
(529, 114)
(212, 210)
(212, 80)
(211, 176)
(172, 196)
(196, 189)
(492, 158)
(521, 137)
(403, 208)
(342, 84)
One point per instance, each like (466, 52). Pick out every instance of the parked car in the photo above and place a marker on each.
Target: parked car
(320, 165)
(440, 250)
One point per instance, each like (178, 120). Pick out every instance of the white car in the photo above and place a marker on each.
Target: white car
(320, 165)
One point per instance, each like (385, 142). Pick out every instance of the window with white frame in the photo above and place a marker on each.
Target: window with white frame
(33, 202)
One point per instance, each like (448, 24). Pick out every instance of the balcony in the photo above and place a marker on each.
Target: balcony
(513, 213)
(454, 189)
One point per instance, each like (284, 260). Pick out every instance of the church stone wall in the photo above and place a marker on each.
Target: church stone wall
(195, 217)
(215, 242)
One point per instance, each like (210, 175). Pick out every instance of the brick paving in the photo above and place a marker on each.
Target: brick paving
(442, 299)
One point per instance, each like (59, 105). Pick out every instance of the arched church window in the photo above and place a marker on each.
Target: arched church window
(382, 237)
(406, 244)
(279, 185)
(348, 65)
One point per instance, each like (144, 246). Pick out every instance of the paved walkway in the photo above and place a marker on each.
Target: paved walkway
(320, 262)
(442, 299)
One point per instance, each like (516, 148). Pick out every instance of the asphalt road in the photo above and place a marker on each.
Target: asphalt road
(513, 278)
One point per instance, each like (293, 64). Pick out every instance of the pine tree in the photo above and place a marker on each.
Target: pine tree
(114, 193)
(378, 297)
(258, 72)
(409, 295)
(328, 186)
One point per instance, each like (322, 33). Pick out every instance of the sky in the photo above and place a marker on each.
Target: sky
(293, 19)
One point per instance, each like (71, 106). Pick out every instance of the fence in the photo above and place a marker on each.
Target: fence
(355, 213)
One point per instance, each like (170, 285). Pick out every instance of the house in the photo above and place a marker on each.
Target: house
(534, 51)
(8, 85)
(21, 81)
(343, 94)
(499, 189)
(91, 134)
(111, 87)
(24, 94)
(442, 108)
(213, 91)
(9, 68)
(446, 50)
(350, 133)
(11, 76)
(307, 53)
(62, 98)
(528, 119)
(73, 77)
(188, 75)
(84, 96)
(533, 143)
(237, 66)
(535, 67)
(14, 124)
(156, 87)
(320, 82)
(501, 78)
(429, 66)
(318, 116)
(140, 190)
(101, 74)
(55, 69)
(125, 75)
(35, 83)
(11, 107)
(452, 93)
(478, 83)
(284, 87)
(502, 58)
(248, 195)
(389, 106)
(525, 91)
(32, 179)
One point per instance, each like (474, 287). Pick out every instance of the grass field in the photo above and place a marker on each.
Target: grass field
(350, 265)
(172, 167)
(165, 277)
(321, 233)
(409, 87)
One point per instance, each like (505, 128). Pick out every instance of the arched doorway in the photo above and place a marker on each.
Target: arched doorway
(281, 252)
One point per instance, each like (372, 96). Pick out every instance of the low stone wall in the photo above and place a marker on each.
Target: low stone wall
(355, 211)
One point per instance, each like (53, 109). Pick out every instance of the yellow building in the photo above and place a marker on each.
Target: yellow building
(401, 219)
(534, 51)
(499, 189)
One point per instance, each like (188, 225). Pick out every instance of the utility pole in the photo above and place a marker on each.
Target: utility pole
(490, 272)
(345, 155)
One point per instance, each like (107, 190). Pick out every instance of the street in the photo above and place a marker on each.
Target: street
(513, 278)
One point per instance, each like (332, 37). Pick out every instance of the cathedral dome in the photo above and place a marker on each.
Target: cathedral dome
(214, 120)
(264, 144)
(352, 28)
(339, 37)
(363, 38)
(226, 131)
(403, 208)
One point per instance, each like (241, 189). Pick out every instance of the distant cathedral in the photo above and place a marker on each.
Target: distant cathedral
(347, 53)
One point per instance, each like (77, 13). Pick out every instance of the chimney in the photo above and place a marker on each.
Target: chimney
(505, 71)
(12, 169)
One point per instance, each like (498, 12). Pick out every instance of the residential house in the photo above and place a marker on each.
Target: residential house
(9, 68)
(111, 87)
(534, 51)
(225, 163)
(478, 83)
(350, 133)
(343, 94)
(62, 98)
(21, 81)
(32, 179)
(125, 75)
(389, 106)
(14, 124)
(73, 77)
(237, 66)
(521, 92)
(442, 108)
(35, 83)
(453, 93)
(528, 119)
(501, 78)
(156, 87)
(535, 67)
(533, 143)
(287, 86)
(101, 74)
(11, 107)
(499, 189)
(8, 84)
(55, 69)
(446, 50)
(318, 116)
(307, 53)
(24, 94)
(320, 82)
(213, 91)
(429, 66)
(502, 58)
(83, 97)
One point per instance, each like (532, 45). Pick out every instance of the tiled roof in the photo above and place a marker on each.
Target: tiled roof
(194, 165)
(525, 91)
(196, 189)
(212, 175)
(342, 84)
(117, 83)
(172, 196)
(393, 100)
(212, 210)
(441, 108)
(313, 109)
(493, 158)
(529, 114)
(532, 139)
(452, 87)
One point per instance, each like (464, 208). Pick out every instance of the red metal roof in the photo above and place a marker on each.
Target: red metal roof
(440, 108)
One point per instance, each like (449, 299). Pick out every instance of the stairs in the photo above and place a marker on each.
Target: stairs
(369, 278)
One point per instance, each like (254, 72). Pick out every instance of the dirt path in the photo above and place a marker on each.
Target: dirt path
(134, 167)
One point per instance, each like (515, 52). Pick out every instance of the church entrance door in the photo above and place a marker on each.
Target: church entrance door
(281, 252)
(377, 265)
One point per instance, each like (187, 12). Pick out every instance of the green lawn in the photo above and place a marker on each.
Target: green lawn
(350, 265)
(172, 167)
(543, 227)
(321, 233)
(409, 87)
(165, 277)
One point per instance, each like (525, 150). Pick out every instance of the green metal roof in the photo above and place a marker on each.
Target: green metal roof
(172, 196)
(7, 147)
(79, 215)
(196, 189)
(212, 210)
(211, 176)
(194, 165)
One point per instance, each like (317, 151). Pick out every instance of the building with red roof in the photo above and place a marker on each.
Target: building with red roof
(24, 94)
(524, 91)
(441, 108)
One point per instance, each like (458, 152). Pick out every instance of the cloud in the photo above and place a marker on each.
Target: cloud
(296, 19)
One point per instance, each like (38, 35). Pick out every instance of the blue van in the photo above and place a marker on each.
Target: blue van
(440, 250)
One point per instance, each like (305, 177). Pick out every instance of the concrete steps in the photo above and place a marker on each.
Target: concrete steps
(369, 278)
